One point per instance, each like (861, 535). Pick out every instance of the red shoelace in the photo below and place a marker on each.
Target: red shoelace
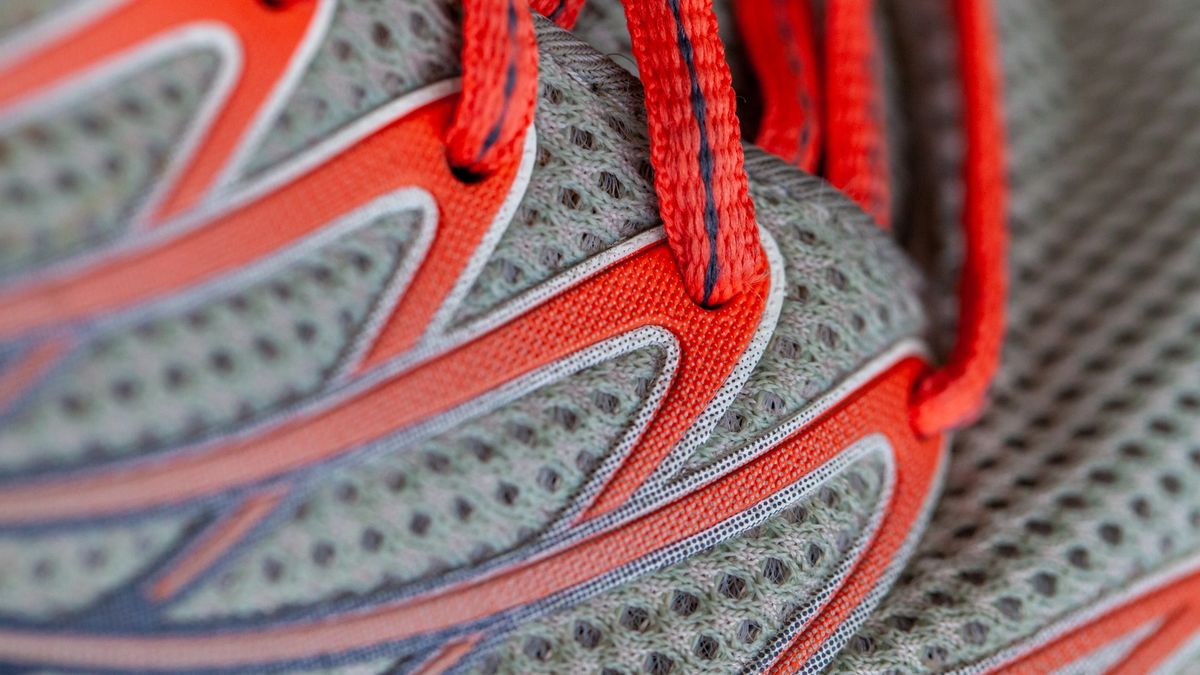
(817, 118)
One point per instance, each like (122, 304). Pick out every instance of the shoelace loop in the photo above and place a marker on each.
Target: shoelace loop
(696, 150)
(955, 393)
(695, 136)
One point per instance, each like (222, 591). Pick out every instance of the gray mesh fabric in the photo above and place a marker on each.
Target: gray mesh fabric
(716, 611)
(1081, 477)
(479, 488)
(847, 299)
(457, 499)
(48, 576)
(225, 357)
(73, 175)
(372, 53)
(590, 189)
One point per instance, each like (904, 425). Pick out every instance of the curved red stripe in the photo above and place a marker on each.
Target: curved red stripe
(272, 222)
(877, 408)
(643, 290)
(263, 62)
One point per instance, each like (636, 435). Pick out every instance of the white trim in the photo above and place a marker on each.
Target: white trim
(197, 35)
(802, 418)
(404, 199)
(268, 112)
(656, 489)
(324, 150)
(1187, 654)
(550, 288)
(483, 252)
(732, 526)
(837, 640)
(1109, 654)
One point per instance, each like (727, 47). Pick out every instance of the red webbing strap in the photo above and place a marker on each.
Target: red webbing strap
(779, 39)
(955, 393)
(856, 159)
(562, 12)
(499, 85)
(695, 147)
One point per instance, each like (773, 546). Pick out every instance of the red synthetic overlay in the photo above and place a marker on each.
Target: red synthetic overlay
(856, 156)
(1173, 610)
(643, 290)
(955, 393)
(236, 239)
(877, 408)
(778, 37)
(499, 85)
(695, 147)
(215, 542)
(562, 12)
(115, 32)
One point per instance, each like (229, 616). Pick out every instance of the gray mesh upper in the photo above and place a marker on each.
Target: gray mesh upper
(51, 575)
(1081, 477)
(73, 175)
(372, 53)
(224, 357)
(459, 498)
(165, 376)
(716, 611)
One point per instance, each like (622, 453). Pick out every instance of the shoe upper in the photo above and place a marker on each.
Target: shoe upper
(281, 391)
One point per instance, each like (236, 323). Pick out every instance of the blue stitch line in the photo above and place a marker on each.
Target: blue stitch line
(704, 157)
(510, 82)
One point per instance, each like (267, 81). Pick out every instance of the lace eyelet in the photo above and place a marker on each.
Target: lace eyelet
(464, 175)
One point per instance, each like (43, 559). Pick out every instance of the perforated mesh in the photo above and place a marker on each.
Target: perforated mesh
(457, 499)
(381, 666)
(1081, 477)
(72, 176)
(715, 611)
(591, 186)
(848, 297)
(373, 52)
(226, 359)
(46, 576)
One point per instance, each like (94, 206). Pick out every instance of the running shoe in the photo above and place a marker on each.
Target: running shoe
(412, 336)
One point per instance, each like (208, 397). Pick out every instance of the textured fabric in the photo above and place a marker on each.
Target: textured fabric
(73, 175)
(716, 611)
(841, 307)
(590, 190)
(225, 358)
(1081, 477)
(345, 522)
(373, 52)
(459, 498)
(48, 576)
